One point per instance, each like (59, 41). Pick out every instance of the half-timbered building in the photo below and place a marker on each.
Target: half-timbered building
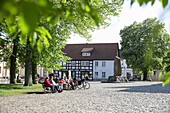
(90, 60)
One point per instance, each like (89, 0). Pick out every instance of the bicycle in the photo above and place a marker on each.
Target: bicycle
(83, 84)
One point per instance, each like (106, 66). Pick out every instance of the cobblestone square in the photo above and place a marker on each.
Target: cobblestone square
(132, 97)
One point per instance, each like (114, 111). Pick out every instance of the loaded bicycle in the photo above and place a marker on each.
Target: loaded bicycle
(81, 84)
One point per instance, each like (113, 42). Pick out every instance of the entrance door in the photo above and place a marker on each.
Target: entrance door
(65, 74)
(85, 75)
(73, 74)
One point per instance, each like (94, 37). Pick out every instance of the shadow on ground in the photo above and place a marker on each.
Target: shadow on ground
(154, 88)
(36, 92)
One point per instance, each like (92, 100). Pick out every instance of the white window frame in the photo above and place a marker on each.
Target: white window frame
(96, 63)
(103, 74)
(85, 63)
(73, 63)
(86, 54)
(103, 63)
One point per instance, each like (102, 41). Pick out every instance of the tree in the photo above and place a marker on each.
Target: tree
(11, 54)
(166, 79)
(141, 2)
(166, 61)
(144, 45)
(29, 12)
(81, 15)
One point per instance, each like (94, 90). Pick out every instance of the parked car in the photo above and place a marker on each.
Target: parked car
(132, 78)
(149, 79)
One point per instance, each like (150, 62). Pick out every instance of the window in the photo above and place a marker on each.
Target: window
(86, 54)
(154, 74)
(104, 64)
(73, 74)
(64, 63)
(73, 63)
(96, 74)
(84, 63)
(96, 64)
(103, 74)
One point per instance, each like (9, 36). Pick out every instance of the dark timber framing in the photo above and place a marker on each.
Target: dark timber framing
(77, 67)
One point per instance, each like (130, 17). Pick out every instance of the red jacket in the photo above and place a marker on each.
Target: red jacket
(47, 83)
(63, 81)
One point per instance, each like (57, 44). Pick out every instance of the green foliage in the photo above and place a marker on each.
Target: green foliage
(28, 14)
(141, 2)
(18, 89)
(166, 61)
(166, 79)
(145, 44)
(24, 19)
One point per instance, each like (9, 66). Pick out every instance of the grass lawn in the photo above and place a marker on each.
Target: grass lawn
(18, 89)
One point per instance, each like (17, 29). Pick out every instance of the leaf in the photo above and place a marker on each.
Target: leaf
(140, 2)
(23, 39)
(39, 46)
(28, 18)
(153, 1)
(46, 42)
(47, 33)
(67, 13)
(146, 1)
(160, 75)
(33, 38)
(87, 8)
(132, 1)
(41, 2)
(164, 3)
(166, 78)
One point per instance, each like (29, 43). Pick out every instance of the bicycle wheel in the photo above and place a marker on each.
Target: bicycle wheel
(80, 86)
(87, 85)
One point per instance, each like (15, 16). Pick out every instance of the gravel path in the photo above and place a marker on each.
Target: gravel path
(132, 97)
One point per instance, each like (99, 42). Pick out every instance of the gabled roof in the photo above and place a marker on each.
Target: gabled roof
(99, 51)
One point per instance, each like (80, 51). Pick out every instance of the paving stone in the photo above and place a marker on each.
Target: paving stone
(132, 97)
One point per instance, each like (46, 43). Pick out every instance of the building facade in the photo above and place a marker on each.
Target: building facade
(4, 72)
(91, 61)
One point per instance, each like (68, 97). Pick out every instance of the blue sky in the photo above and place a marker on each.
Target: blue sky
(127, 16)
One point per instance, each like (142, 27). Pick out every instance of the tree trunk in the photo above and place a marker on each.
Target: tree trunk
(145, 75)
(34, 72)
(13, 62)
(28, 66)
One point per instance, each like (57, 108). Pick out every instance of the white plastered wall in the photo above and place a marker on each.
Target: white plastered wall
(109, 69)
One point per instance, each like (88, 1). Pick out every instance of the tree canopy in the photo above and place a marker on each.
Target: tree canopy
(141, 2)
(28, 14)
(144, 45)
(45, 25)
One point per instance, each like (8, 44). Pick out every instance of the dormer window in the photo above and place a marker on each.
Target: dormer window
(86, 51)
(86, 54)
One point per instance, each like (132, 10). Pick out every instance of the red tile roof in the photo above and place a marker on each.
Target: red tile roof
(101, 51)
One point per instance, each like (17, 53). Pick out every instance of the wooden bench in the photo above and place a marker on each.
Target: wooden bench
(45, 87)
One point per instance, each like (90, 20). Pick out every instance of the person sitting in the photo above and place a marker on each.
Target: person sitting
(63, 81)
(58, 87)
(48, 84)
(18, 79)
